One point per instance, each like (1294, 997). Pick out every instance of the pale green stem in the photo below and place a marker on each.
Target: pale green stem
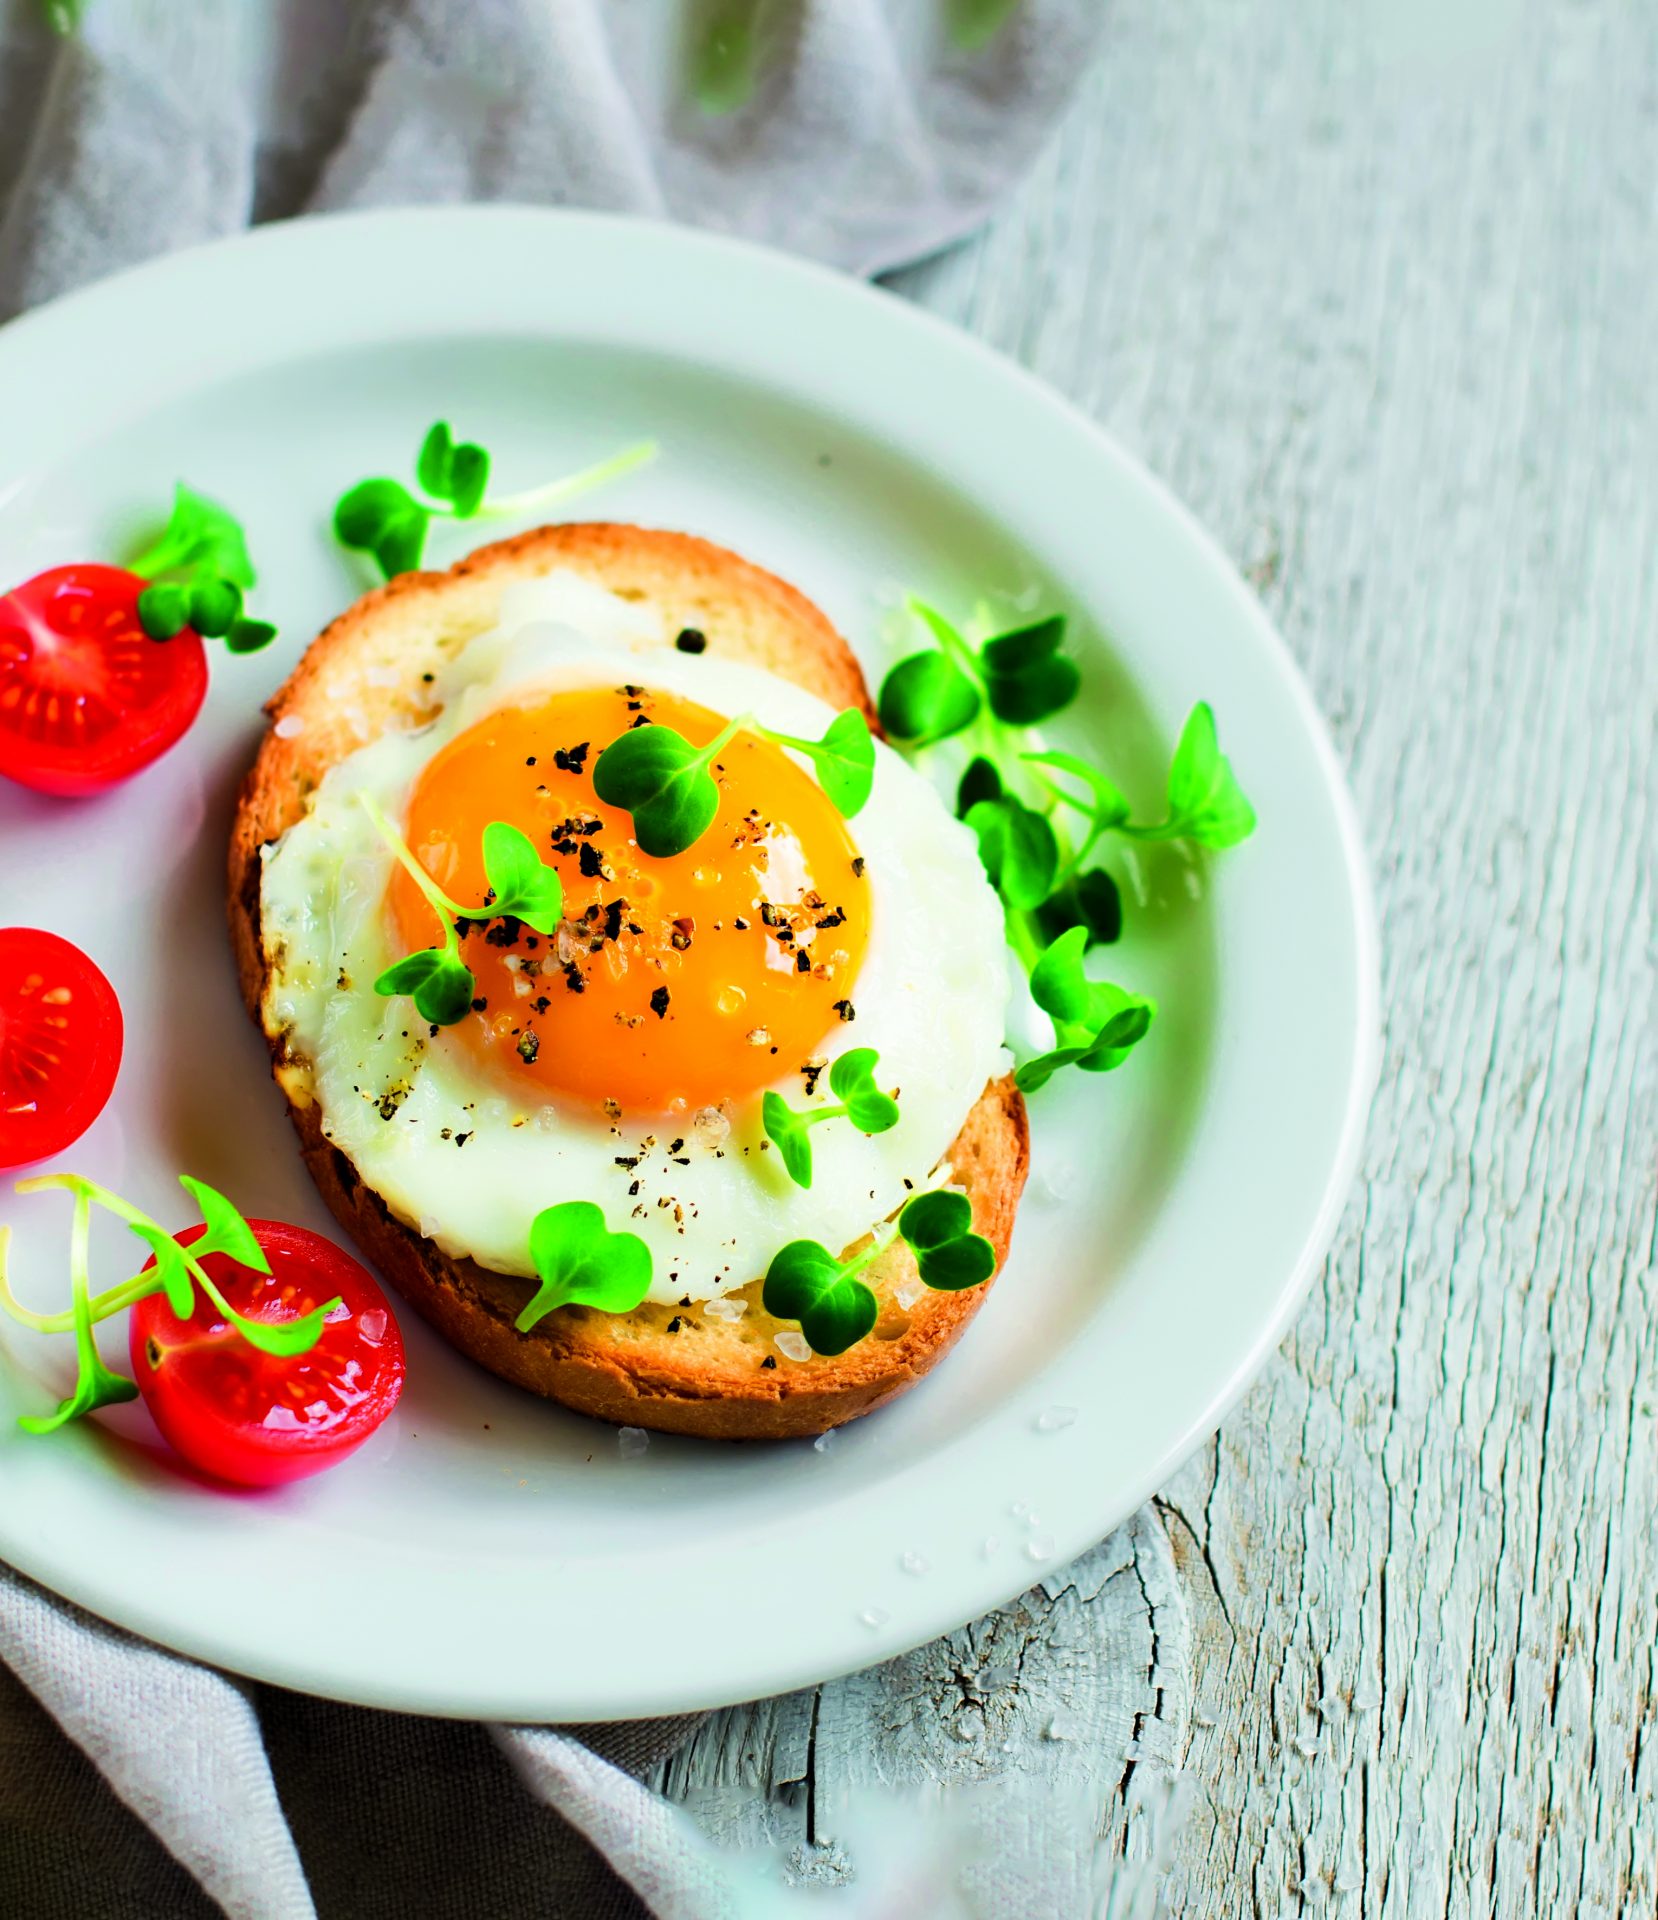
(536, 499)
(440, 903)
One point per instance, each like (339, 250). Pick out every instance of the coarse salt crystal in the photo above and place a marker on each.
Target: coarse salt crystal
(822, 1443)
(909, 1293)
(1040, 1546)
(916, 1563)
(793, 1345)
(1053, 1419)
(289, 726)
(631, 1442)
(721, 1307)
(1019, 1509)
(710, 1126)
(989, 1545)
(874, 1616)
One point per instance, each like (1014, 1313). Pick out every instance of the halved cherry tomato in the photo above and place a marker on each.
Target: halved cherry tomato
(60, 1044)
(253, 1418)
(86, 696)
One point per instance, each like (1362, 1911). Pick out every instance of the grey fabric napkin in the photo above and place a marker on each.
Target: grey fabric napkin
(860, 133)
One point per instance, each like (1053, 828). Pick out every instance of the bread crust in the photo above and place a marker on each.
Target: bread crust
(673, 1370)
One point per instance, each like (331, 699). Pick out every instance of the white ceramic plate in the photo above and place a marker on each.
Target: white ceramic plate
(486, 1554)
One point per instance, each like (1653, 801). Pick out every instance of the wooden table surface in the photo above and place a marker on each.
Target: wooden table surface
(1378, 296)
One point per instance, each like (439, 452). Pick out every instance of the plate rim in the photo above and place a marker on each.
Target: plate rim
(991, 1589)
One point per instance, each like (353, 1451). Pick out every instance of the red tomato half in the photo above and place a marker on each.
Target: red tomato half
(251, 1417)
(60, 1044)
(86, 696)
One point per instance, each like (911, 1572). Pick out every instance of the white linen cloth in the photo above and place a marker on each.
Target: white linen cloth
(862, 134)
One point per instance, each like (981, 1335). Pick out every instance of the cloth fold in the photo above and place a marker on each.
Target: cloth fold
(861, 134)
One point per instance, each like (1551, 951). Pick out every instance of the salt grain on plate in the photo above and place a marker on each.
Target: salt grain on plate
(631, 1442)
(990, 1544)
(1040, 1546)
(822, 1443)
(916, 1563)
(289, 726)
(793, 1345)
(1053, 1419)
(874, 1616)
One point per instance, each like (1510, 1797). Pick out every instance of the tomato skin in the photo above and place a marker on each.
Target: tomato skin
(256, 1419)
(60, 1044)
(87, 698)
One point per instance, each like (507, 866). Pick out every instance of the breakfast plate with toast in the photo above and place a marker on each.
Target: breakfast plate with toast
(684, 982)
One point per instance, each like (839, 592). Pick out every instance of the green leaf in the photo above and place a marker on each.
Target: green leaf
(1018, 848)
(282, 1338)
(664, 782)
(172, 1270)
(845, 761)
(164, 610)
(805, 1282)
(790, 1133)
(383, 518)
(1205, 802)
(522, 884)
(1096, 1022)
(979, 781)
(580, 1263)
(248, 636)
(1120, 1032)
(1058, 984)
(200, 537)
(926, 697)
(440, 982)
(852, 1079)
(215, 605)
(454, 471)
(227, 1232)
(1026, 677)
(948, 1254)
(1090, 900)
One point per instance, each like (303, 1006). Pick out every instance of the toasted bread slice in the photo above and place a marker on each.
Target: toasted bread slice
(673, 1369)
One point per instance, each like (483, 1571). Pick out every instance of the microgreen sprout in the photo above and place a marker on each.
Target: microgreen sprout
(199, 572)
(852, 1077)
(521, 887)
(1021, 805)
(383, 518)
(579, 1262)
(836, 1309)
(666, 785)
(177, 1272)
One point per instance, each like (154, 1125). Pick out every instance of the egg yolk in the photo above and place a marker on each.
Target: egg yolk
(672, 983)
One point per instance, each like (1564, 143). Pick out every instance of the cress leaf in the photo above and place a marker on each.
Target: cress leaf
(805, 1282)
(581, 1263)
(440, 982)
(282, 1338)
(1107, 806)
(164, 609)
(1090, 900)
(948, 1254)
(852, 1079)
(927, 697)
(790, 1133)
(1026, 677)
(522, 884)
(172, 1275)
(227, 1232)
(1035, 1073)
(664, 782)
(248, 636)
(979, 781)
(1206, 804)
(1120, 1032)
(383, 518)
(200, 537)
(456, 471)
(215, 605)
(1018, 848)
(1058, 984)
(845, 762)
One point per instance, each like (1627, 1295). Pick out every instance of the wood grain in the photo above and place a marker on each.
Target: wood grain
(1376, 290)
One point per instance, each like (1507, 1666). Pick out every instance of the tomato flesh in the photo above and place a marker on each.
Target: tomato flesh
(258, 1419)
(87, 698)
(60, 1044)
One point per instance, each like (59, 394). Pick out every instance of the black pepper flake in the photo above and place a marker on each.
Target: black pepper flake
(632, 928)
(633, 1187)
(590, 862)
(769, 1361)
(803, 961)
(772, 916)
(571, 759)
(675, 1145)
(530, 762)
(858, 866)
(680, 1160)
(811, 1073)
(673, 1324)
(463, 926)
(505, 932)
(541, 1003)
(680, 938)
(844, 1009)
(639, 720)
(528, 1047)
(833, 919)
(593, 912)
(613, 919)
(573, 977)
(686, 1301)
(659, 1002)
(628, 1160)
(479, 1004)
(461, 1139)
(691, 640)
(739, 923)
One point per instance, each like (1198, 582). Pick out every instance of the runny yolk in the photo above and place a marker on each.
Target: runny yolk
(673, 983)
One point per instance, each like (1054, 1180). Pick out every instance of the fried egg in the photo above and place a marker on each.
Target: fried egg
(623, 1058)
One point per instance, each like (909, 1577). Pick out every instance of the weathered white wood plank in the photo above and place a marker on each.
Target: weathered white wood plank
(1385, 317)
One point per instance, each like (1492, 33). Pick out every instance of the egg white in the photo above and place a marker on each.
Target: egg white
(468, 1164)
